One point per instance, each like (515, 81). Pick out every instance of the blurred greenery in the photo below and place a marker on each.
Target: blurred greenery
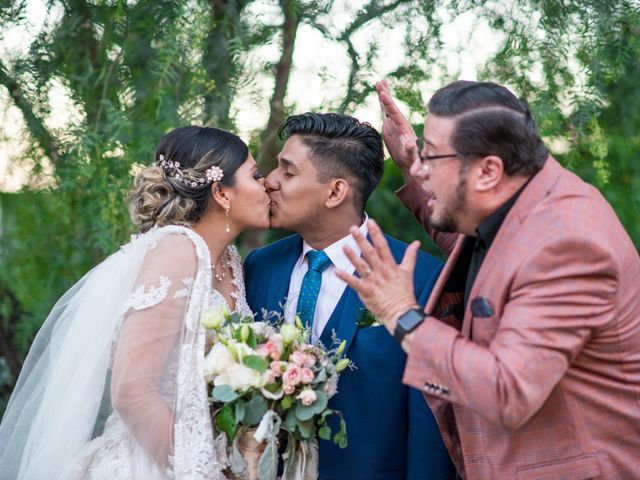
(133, 70)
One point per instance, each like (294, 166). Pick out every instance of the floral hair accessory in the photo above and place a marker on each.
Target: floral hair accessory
(190, 177)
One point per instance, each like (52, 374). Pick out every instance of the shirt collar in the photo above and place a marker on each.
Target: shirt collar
(335, 251)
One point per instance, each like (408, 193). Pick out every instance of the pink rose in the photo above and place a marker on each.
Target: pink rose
(307, 397)
(292, 375)
(303, 359)
(307, 375)
(288, 389)
(278, 367)
(275, 346)
(271, 349)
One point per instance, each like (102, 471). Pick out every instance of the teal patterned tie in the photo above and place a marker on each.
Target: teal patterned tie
(318, 262)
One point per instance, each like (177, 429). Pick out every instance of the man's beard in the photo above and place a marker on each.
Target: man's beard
(449, 223)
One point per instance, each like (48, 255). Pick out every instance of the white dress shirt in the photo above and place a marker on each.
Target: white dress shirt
(331, 288)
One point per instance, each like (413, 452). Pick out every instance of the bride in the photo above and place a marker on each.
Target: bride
(113, 385)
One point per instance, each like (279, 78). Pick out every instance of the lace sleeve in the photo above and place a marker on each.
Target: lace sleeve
(143, 383)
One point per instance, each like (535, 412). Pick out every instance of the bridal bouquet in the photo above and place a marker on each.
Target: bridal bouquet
(267, 381)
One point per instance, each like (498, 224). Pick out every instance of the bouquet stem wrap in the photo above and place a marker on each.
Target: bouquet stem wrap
(301, 460)
(245, 454)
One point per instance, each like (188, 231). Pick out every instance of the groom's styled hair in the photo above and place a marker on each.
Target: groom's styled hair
(341, 146)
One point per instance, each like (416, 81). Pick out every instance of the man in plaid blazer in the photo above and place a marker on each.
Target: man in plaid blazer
(535, 374)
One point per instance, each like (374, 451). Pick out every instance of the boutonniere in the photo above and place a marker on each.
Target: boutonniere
(367, 319)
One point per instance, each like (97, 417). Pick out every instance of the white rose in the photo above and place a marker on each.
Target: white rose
(307, 397)
(262, 329)
(217, 361)
(240, 378)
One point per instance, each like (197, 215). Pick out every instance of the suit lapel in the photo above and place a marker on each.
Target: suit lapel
(343, 319)
(436, 292)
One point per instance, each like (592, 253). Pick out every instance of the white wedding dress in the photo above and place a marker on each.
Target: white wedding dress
(113, 386)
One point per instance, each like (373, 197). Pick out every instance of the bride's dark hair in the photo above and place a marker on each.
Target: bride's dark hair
(160, 197)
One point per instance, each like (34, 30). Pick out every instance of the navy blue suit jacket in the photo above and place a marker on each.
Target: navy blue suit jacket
(391, 431)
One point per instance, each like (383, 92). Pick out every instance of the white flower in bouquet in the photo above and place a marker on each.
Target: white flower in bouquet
(217, 361)
(241, 378)
(262, 329)
(307, 397)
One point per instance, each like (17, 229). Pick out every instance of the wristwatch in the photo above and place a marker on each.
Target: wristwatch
(407, 322)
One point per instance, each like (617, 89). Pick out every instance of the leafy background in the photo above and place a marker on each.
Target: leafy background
(130, 71)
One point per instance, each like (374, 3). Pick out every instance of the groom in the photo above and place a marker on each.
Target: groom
(326, 171)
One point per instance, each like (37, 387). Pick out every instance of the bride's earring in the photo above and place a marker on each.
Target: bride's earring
(226, 212)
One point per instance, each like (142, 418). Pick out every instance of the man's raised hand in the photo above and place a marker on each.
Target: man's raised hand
(397, 132)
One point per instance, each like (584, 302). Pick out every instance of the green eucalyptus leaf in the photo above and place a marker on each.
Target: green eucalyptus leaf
(255, 362)
(254, 410)
(224, 393)
(304, 412)
(306, 429)
(291, 421)
(239, 411)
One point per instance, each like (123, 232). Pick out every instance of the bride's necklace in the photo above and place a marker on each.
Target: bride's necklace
(221, 266)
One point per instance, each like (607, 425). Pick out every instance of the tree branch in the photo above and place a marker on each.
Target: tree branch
(269, 147)
(34, 123)
(371, 11)
(218, 60)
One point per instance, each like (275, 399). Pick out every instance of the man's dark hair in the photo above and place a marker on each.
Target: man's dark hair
(341, 146)
(491, 121)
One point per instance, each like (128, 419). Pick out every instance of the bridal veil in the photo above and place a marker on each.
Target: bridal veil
(113, 384)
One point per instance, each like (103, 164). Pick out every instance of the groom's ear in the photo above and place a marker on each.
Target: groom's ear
(219, 196)
(338, 193)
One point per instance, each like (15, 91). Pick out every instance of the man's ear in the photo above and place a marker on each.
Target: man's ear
(488, 173)
(339, 190)
(219, 196)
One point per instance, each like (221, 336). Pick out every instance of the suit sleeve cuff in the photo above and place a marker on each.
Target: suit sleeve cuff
(430, 358)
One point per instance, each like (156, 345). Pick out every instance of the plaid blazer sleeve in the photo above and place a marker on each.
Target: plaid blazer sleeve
(561, 292)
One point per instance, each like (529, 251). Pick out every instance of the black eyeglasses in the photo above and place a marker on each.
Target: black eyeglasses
(428, 158)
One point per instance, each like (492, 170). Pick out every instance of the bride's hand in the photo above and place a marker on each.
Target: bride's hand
(397, 132)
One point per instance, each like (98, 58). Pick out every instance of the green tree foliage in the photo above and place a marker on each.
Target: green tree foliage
(133, 70)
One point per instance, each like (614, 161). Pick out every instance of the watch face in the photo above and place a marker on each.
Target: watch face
(411, 320)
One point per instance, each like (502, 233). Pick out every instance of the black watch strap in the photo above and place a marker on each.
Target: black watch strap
(407, 322)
